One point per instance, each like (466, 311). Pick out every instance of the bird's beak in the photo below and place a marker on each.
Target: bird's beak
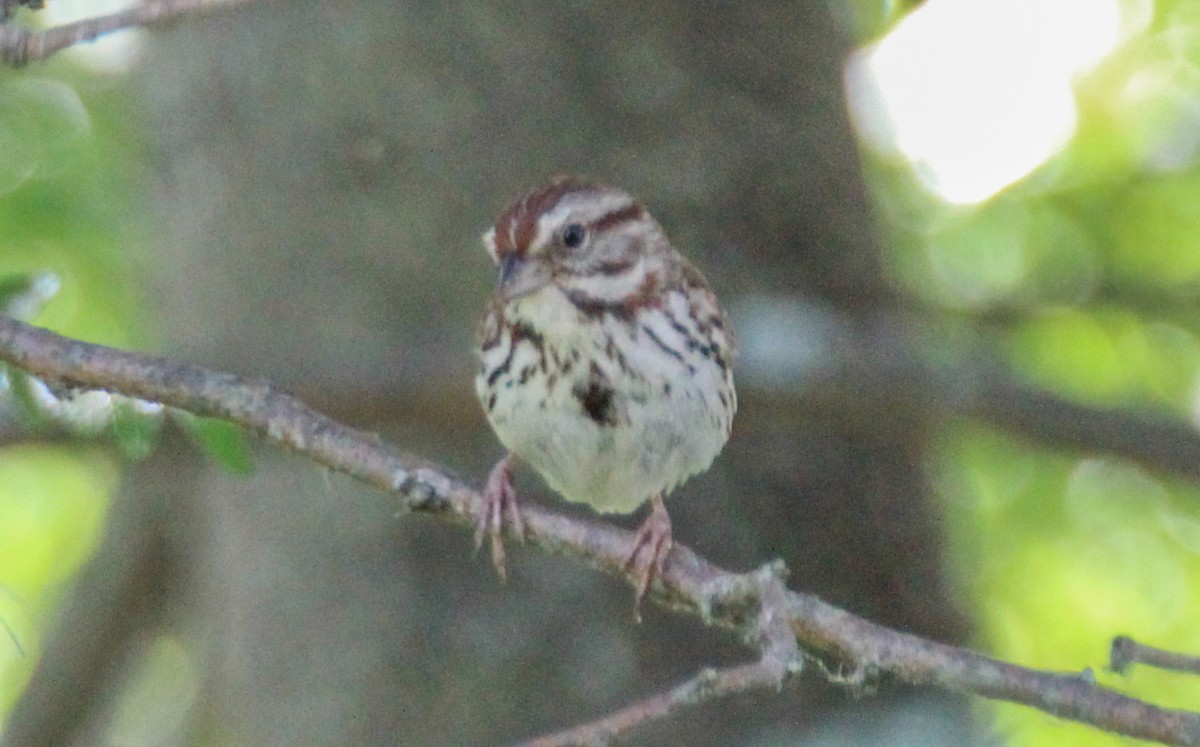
(520, 276)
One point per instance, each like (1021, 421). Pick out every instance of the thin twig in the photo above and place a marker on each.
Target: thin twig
(1126, 651)
(871, 650)
(779, 658)
(689, 582)
(19, 45)
(709, 684)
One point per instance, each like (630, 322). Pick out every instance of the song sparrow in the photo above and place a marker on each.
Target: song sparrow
(604, 361)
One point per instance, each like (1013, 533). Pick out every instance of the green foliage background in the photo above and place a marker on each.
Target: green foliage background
(72, 202)
(1086, 275)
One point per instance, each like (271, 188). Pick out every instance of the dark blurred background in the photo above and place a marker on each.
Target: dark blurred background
(349, 156)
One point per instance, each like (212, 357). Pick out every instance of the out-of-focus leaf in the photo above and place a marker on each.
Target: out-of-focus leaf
(134, 430)
(1055, 555)
(1154, 232)
(1088, 272)
(1109, 357)
(39, 120)
(23, 296)
(53, 501)
(80, 214)
(73, 209)
(17, 635)
(225, 442)
(20, 386)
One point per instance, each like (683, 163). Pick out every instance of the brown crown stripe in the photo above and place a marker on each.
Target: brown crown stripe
(521, 218)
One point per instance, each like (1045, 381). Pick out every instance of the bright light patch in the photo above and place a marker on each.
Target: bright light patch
(113, 52)
(977, 94)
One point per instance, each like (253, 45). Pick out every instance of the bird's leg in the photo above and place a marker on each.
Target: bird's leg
(499, 499)
(651, 546)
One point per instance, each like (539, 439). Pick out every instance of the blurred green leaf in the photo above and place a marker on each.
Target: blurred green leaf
(1087, 272)
(80, 211)
(1154, 231)
(23, 296)
(73, 210)
(225, 442)
(1056, 555)
(134, 431)
(40, 119)
(53, 502)
(1109, 357)
(16, 658)
(20, 388)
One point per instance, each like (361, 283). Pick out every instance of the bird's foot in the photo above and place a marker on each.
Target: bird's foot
(499, 501)
(651, 546)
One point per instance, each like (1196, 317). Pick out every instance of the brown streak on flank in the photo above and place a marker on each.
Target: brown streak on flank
(521, 332)
(664, 347)
(693, 278)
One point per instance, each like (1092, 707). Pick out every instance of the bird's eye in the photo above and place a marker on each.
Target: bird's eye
(573, 235)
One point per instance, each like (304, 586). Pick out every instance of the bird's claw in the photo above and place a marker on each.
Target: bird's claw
(499, 501)
(651, 546)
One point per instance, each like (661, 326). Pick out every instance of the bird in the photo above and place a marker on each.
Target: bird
(605, 363)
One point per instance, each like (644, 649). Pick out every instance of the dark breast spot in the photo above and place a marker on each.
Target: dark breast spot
(597, 398)
(597, 402)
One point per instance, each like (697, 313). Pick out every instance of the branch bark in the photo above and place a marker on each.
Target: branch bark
(1126, 652)
(751, 604)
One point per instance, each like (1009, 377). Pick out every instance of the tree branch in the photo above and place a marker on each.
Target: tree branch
(751, 604)
(1126, 651)
(1154, 442)
(19, 45)
(709, 684)
(884, 365)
